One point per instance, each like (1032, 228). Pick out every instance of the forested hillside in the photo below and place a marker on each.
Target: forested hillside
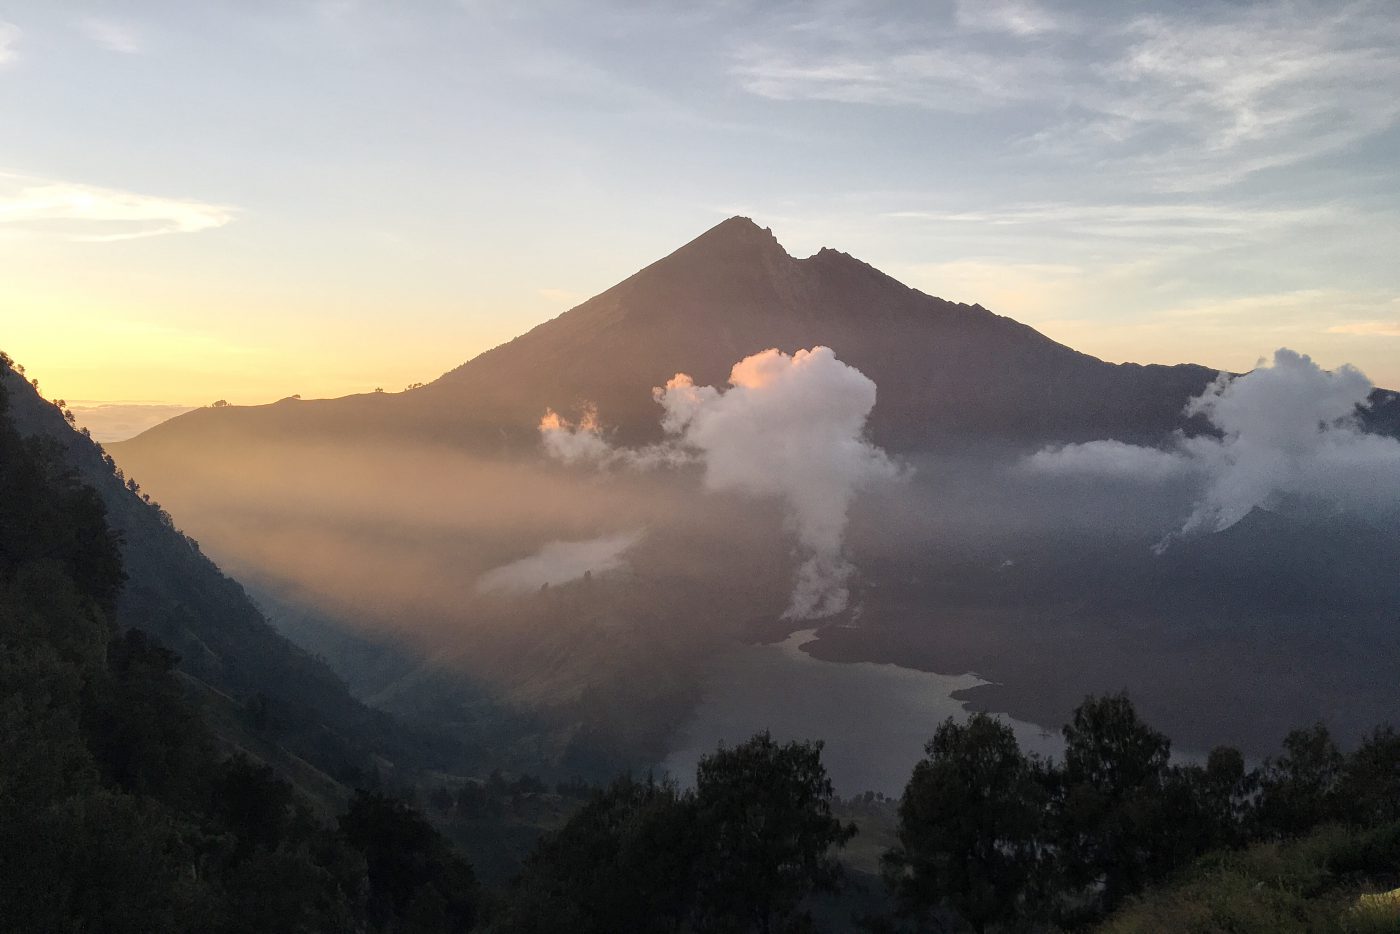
(253, 681)
(118, 810)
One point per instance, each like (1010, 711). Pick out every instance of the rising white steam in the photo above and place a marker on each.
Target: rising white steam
(575, 442)
(582, 442)
(1287, 431)
(560, 562)
(791, 427)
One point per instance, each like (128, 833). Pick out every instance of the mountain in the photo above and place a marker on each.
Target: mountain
(262, 693)
(372, 518)
(943, 369)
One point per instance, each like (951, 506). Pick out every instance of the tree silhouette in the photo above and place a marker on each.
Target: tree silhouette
(969, 826)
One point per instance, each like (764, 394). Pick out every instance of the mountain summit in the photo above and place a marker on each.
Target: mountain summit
(942, 368)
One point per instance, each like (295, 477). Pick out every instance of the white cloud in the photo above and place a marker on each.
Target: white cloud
(112, 36)
(1109, 460)
(1270, 86)
(9, 42)
(1014, 17)
(560, 562)
(35, 207)
(1185, 101)
(1286, 432)
(1368, 328)
(790, 427)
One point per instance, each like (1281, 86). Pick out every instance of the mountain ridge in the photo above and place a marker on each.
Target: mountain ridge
(946, 370)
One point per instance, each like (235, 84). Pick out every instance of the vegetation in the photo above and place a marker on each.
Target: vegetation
(739, 853)
(116, 812)
(990, 839)
(121, 810)
(1314, 885)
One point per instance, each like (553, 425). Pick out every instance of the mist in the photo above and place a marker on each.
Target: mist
(417, 567)
(1286, 433)
(560, 562)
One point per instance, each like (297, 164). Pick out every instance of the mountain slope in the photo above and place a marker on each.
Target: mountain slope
(379, 513)
(266, 693)
(944, 369)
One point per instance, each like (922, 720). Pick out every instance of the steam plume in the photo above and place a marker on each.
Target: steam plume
(788, 426)
(1289, 430)
(576, 442)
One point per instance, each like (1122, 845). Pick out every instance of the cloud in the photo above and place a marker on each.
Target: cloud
(1176, 222)
(946, 79)
(574, 442)
(1007, 16)
(1187, 100)
(560, 562)
(1286, 433)
(562, 296)
(117, 421)
(9, 42)
(1368, 328)
(790, 427)
(1289, 428)
(1109, 460)
(112, 36)
(582, 442)
(90, 213)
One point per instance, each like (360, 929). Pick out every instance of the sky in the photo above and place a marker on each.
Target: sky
(249, 200)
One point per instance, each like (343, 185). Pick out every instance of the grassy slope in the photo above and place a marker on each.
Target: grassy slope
(1314, 885)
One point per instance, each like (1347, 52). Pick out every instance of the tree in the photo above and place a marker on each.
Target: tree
(625, 861)
(969, 825)
(1297, 790)
(1111, 822)
(767, 834)
(403, 855)
(1369, 788)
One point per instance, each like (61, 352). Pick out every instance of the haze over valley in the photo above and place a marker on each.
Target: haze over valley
(556, 522)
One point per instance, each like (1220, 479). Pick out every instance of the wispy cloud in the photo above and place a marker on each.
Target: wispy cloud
(1299, 308)
(1273, 86)
(112, 36)
(1156, 221)
(563, 296)
(9, 42)
(1368, 328)
(38, 207)
(1015, 17)
(955, 80)
(1192, 100)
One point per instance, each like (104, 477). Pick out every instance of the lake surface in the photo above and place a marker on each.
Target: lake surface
(874, 718)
